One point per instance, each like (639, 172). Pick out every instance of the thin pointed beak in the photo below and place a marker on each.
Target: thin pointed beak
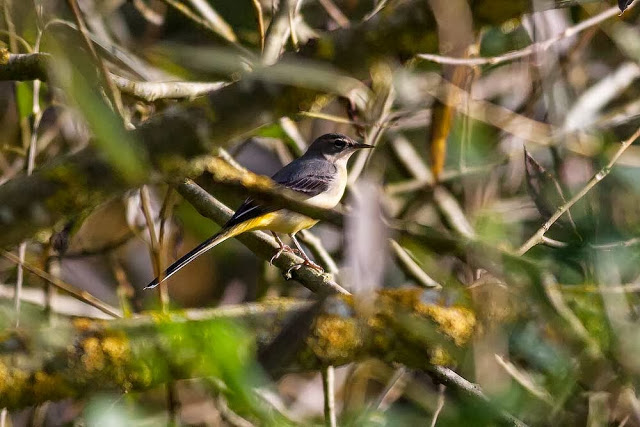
(359, 145)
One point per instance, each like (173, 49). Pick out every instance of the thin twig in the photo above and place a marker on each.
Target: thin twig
(525, 381)
(19, 279)
(291, 130)
(531, 49)
(451, 379)
(292, 28)
(11, 28)
(602, 289)
(277, 34)
(155, 250)
(124, 290)
(328, 383)
(417, 184)
(441, 397)
(260, 18)
(599, 176)
(217, 23)
(31, 160)
(109, 86)
(396, 381)
(335, 13)
(379, 6)
(314, 243)
(81, 295)
(204, 23)
(165, 214)
(411, 267)
(377, 112)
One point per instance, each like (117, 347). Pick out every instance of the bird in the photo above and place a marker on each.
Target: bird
(319, 175)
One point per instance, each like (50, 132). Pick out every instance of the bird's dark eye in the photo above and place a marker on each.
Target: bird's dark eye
(340, 143)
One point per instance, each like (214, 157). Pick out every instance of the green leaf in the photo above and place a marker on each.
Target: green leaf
(24, 98)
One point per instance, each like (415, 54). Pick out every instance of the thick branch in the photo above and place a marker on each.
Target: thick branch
(23, 67)
(84, 356)
(32, 66)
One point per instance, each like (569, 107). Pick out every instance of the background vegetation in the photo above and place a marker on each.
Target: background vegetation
(481, 270)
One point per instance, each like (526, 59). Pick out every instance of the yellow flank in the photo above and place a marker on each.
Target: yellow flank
(282, 221)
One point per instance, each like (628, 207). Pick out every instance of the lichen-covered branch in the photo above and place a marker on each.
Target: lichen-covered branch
(23, 67)
(32, 66)
(85, 356)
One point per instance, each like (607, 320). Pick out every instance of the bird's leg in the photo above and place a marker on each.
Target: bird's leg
(283, 248)
(304, 256)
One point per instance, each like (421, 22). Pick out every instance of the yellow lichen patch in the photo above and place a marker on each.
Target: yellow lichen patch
(439, 356)
(335, 339)
(49, 387)
(93, 357)
(406, 297)
(82, 324)
(159, 317)
(12, 383)
(455, 322)
(117, 348)
(4, 55)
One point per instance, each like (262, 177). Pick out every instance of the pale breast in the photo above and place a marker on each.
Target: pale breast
(331, 197)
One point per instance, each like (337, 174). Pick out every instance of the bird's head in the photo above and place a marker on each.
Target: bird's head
(335, 146)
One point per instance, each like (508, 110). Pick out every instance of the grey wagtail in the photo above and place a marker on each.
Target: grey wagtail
(320, 175)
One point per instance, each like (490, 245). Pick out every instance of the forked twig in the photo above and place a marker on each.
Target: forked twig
(81, 295)
(538, 237)
(328, 383)
(529, 50)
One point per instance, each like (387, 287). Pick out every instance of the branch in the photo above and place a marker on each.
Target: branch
(261, 243)
(140, 353)
(602, 173)
(154, 91)
(24, 66)
(79, 294)
(450, 379)
(35, 66)
(531, 49)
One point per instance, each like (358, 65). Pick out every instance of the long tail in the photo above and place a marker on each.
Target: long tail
(195, 253)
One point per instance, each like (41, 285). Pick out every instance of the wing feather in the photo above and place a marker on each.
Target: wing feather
(309, 186)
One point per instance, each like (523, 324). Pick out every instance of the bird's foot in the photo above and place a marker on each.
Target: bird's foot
(283, 248)
(307, 263)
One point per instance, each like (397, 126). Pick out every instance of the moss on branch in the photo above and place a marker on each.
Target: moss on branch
(84, 356)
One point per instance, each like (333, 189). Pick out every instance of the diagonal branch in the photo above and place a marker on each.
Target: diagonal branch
(531, 49)
(261, 243)
(602, 173)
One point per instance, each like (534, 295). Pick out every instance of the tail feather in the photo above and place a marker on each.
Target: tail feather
(193, 254)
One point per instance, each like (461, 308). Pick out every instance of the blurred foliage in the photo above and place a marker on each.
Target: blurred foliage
(547, 337)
